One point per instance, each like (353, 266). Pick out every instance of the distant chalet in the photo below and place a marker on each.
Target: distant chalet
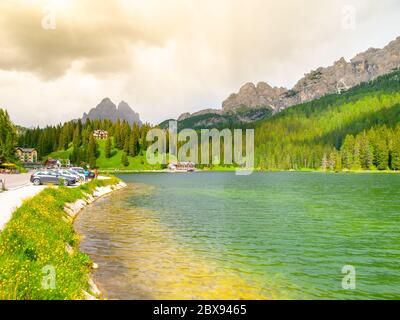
(100, 134)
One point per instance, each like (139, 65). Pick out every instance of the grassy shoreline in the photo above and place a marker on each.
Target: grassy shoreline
(40, 241)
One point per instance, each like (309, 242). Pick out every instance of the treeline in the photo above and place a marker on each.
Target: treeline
(78, 139)
(8, 136)
(358, 129)
(375, 149)
(378, 148)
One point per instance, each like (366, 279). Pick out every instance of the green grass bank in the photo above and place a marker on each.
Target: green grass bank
(39, 240)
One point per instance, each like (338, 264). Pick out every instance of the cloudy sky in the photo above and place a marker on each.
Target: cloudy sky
(59, 58)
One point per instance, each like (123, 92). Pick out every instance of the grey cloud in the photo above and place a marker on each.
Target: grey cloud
(166, 57)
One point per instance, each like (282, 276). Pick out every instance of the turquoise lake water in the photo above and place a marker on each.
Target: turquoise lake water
(272, 235)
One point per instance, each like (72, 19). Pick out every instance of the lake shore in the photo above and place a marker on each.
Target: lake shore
(40, 236)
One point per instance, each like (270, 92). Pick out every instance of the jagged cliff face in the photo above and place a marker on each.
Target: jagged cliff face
(262, 95)
(343, 75)
(188, 115)
(211, 118)
(340, 76)
(108, 110)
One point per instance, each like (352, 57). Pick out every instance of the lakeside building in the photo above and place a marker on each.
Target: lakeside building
(182, 166)
(57, 163)
(100, 134)
(27, 155)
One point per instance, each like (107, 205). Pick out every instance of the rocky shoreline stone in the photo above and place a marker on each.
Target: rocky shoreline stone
(72, 210)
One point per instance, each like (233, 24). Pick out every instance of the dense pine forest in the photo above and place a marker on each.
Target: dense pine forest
(358, 129)
(8, 136)
(82, 148)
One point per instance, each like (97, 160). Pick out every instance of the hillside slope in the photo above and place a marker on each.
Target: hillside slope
(138, 162)
(358, 129)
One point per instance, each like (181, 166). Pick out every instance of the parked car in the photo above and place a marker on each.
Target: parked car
(92, 175)
(80, 171)
(85, 172)
(71, 173)
(81, 176)
(89, 174)
(51, 177)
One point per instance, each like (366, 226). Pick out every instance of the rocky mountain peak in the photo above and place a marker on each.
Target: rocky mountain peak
(123, 106)
(106, 109)
(184, 116)
(365, 66)
(250, 95)
(106, 105)
(341, 75)
(342, 61)
(264, 87)
(249, 86)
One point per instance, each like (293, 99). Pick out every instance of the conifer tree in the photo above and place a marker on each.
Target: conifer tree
(338, 161)
(396, 150)
(117, 135)
(332, 160)
(324, 164)
(77, 140)
(91, 152)
(124, 159)
(132, 144)
(356, 157)
(107, 150)
(347, 152)
(8, 137)
(382, 155)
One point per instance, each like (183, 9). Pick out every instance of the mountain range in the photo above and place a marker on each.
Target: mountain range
(106, 109)
(339, 77)
(254, 102)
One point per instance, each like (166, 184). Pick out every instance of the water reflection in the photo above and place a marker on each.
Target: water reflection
(140, 258)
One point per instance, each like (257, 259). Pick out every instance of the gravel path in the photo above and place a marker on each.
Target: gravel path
(19, 189)
(12, 199)
(15, 180)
